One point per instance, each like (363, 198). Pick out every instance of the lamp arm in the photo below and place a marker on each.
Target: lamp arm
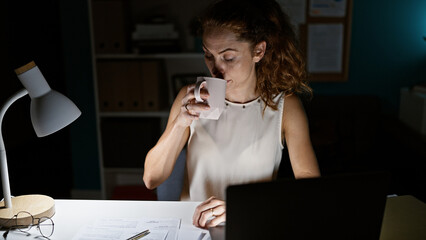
(4, 170)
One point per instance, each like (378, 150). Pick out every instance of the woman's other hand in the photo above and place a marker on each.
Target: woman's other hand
(210, 213)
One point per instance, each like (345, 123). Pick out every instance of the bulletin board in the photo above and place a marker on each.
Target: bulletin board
(324, 28)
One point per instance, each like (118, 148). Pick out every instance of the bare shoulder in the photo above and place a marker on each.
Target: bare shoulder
(293, 113)
(291, 98)
(292, 105)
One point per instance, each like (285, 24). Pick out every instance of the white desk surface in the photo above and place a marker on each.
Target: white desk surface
(72, 215)
(404, 218)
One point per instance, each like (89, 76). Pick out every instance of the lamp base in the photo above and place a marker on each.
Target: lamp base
(37, 205)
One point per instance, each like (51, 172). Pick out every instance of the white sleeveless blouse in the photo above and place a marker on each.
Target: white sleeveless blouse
(242, 146)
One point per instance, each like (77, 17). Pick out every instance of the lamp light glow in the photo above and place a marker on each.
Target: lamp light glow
(50, 111)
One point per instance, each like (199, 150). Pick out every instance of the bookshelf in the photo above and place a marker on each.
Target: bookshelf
(133, 92)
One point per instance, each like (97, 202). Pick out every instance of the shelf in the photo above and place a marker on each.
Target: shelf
(133, 91)
(162, 114)
(123, 170)
(187, 55)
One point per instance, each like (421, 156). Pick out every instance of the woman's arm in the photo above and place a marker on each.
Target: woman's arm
(295, 130)
(160, 160)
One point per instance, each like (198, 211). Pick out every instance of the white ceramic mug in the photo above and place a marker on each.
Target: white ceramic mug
(216, 88)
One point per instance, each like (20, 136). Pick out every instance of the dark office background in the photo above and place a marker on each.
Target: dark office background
(387, 52)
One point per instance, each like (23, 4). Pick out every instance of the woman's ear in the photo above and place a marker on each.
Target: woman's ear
(259, 51)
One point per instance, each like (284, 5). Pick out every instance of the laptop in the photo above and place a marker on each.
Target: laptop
(347, 206)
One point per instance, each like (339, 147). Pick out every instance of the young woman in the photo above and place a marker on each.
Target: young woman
(250, 44)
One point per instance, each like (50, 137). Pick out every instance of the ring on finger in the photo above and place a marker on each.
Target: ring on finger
(211, 209)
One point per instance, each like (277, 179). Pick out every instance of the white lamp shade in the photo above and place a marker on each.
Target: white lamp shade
(52, 112)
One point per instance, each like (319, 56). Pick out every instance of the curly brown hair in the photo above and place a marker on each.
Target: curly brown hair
(282, 69)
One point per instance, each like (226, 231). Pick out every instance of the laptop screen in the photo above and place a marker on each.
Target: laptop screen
(330, 207)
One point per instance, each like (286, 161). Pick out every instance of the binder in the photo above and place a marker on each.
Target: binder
(109, 26)
(118, 82)
(155, 94)
(131, 85)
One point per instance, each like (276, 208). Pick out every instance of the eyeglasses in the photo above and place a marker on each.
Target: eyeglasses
(44, 225)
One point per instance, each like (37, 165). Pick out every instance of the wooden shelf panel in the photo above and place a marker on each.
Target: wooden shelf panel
(123, 170)
(188, 55)
(162, 114)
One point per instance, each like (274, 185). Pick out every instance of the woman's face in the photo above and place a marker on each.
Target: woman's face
(231, 59)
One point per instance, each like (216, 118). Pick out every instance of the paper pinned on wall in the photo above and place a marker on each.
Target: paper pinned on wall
(325, 48)
(327, 8)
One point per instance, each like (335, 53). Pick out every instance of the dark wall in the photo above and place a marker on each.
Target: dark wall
(31, 31)
(77, 63)
(387, 51)
(358, 119)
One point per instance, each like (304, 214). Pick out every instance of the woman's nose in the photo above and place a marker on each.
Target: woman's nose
(218, 71)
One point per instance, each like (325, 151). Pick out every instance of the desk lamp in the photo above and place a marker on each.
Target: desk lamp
(50, 111)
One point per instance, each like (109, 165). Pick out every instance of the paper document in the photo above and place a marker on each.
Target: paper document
(325, 48)
(327, 8)
(124, 228)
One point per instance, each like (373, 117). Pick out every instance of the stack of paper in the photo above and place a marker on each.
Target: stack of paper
(124, 228)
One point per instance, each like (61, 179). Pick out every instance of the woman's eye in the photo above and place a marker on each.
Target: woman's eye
(208, 56)
(228, 58)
